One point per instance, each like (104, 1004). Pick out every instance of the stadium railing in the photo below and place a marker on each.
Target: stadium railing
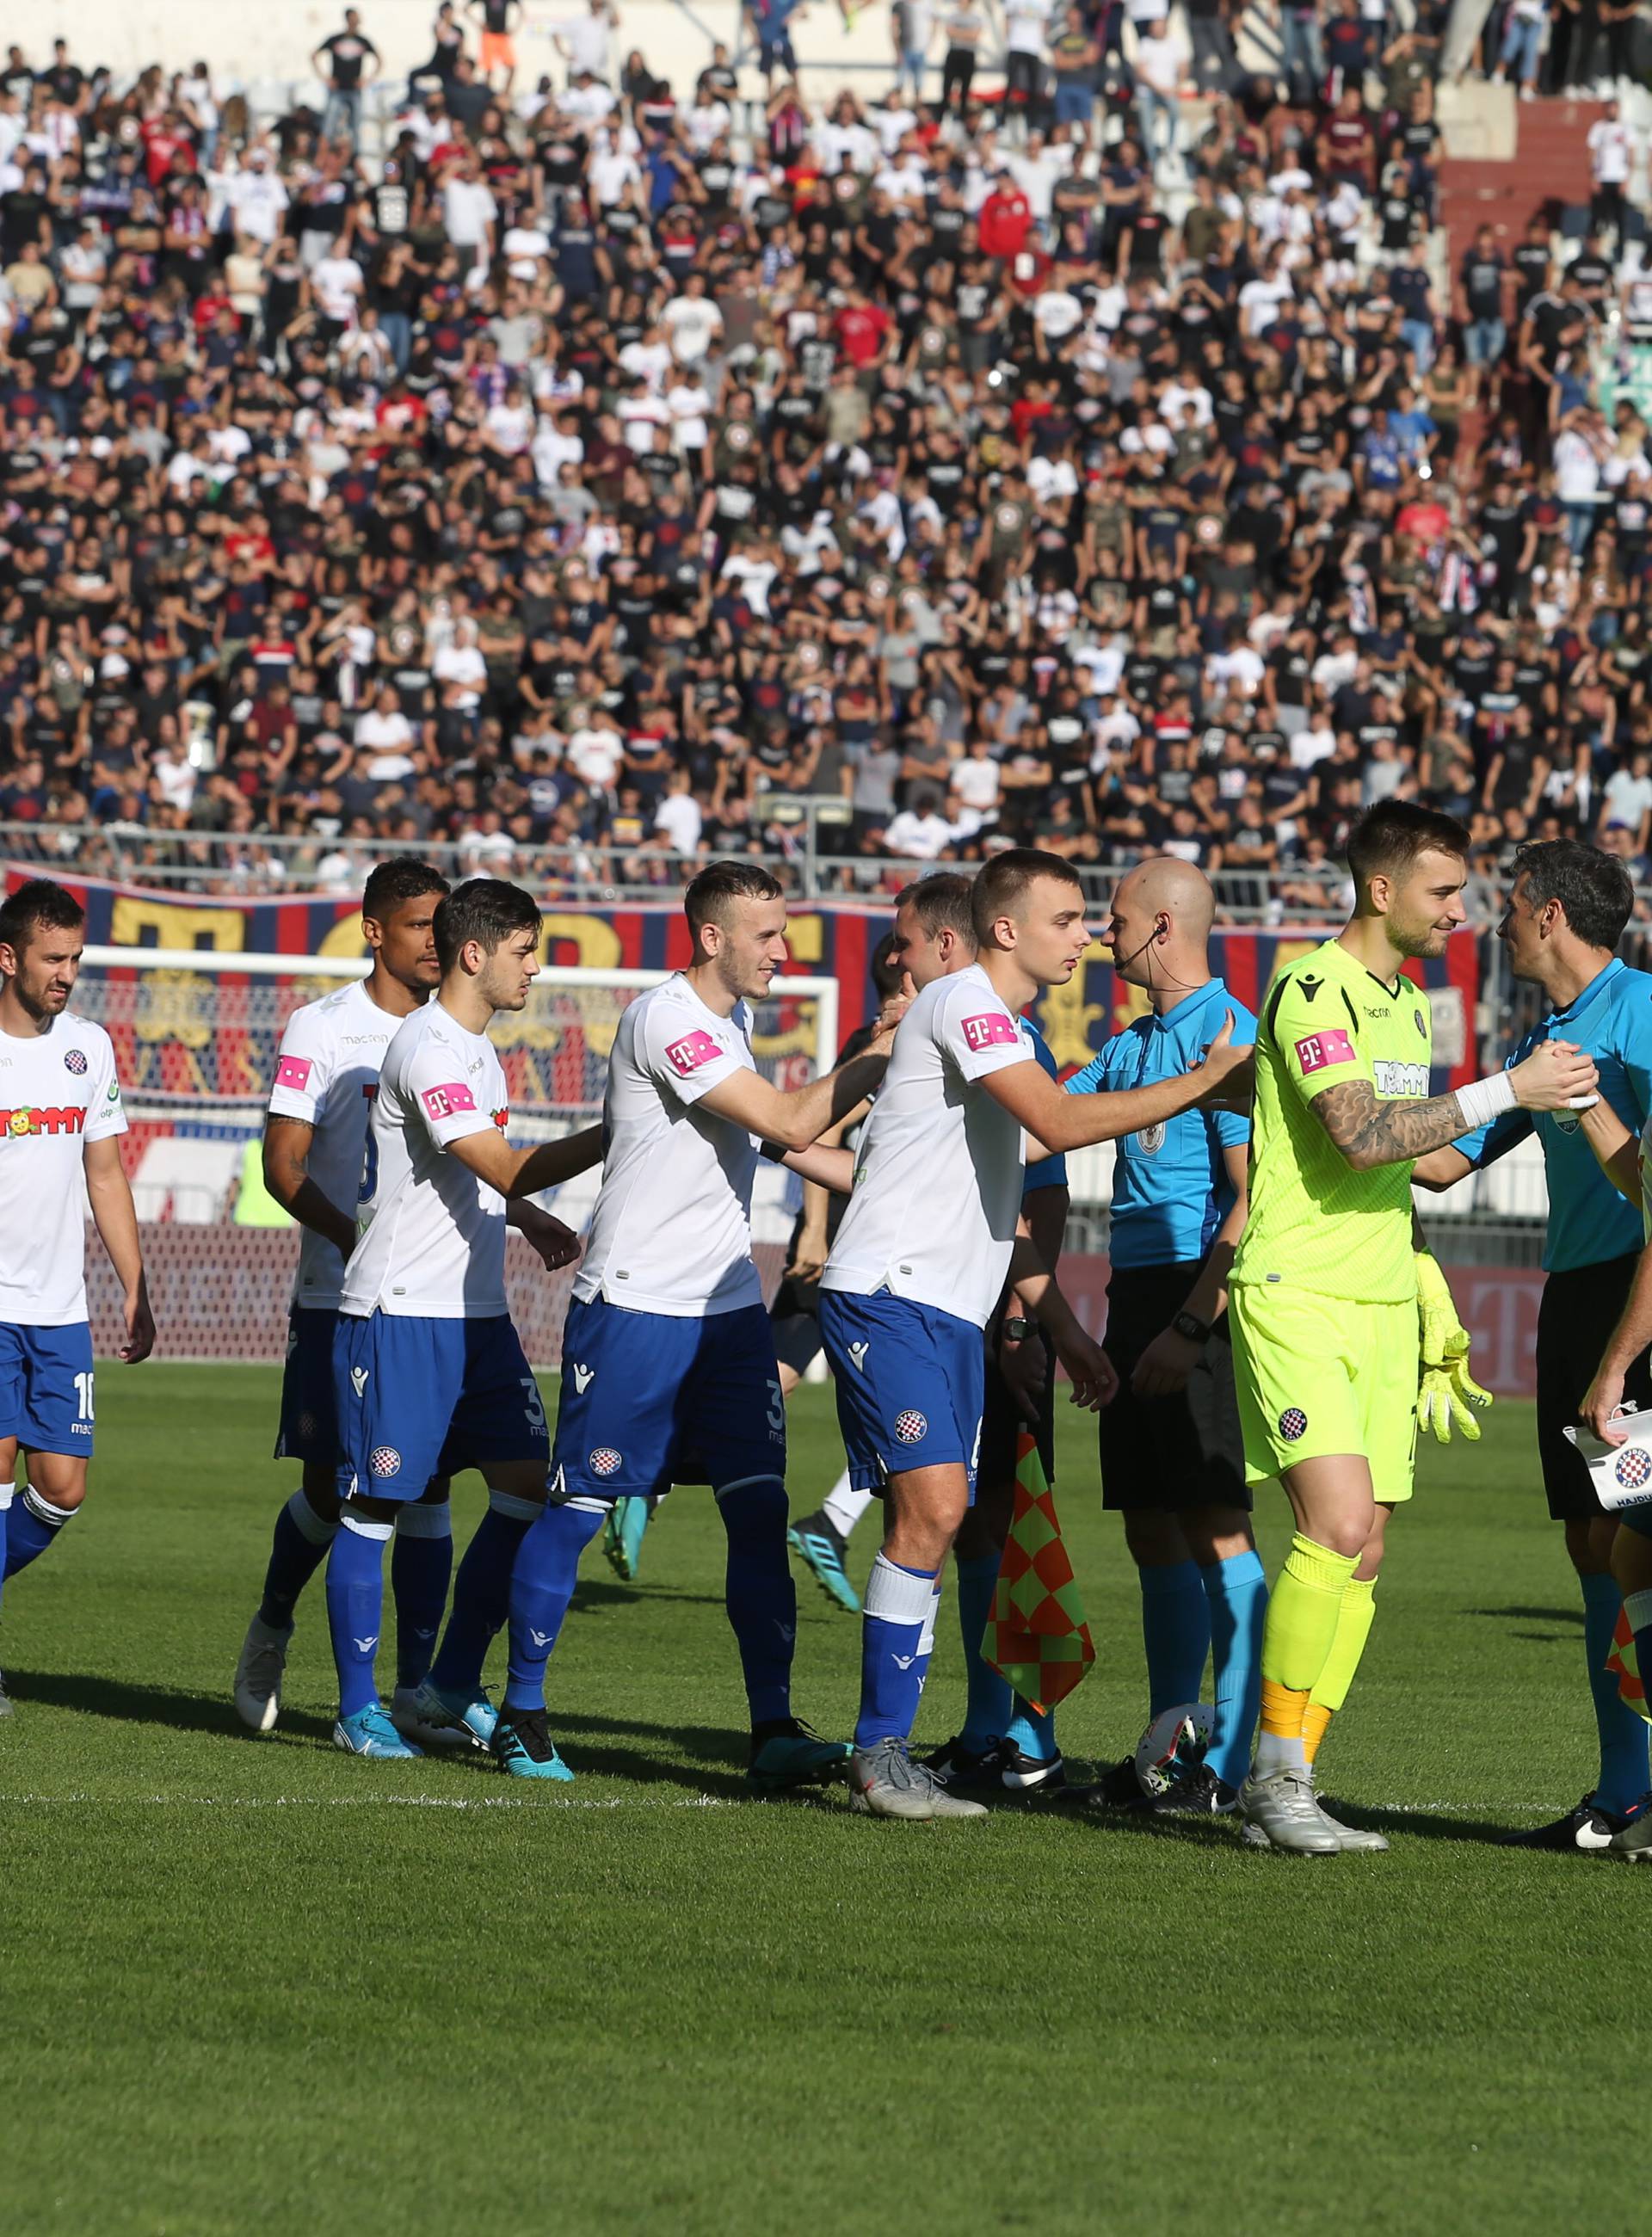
(275, 863)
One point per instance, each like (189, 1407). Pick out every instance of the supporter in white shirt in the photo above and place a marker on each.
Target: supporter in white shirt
(693, 324)
(258, 199)
(338, 282)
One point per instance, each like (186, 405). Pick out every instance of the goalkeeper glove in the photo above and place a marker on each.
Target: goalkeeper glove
(1447, 1391)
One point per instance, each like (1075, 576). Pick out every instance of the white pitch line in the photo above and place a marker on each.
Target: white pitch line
(555, 1802)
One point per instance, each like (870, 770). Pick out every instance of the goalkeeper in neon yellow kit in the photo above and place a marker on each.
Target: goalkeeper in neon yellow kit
(1333, 1299)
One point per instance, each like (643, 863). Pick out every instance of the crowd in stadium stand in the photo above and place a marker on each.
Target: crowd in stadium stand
(599, 462)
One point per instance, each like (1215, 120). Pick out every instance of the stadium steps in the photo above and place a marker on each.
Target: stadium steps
(1548, 173)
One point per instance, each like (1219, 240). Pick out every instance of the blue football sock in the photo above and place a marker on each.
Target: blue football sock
(988, 1701)
(547, 1568)
(1625, 1777)
(422, 1562)
(897, 1634)
(35, 1524)
(296, 1552)
(1033, 1730)
(1237, 1596)
(761, 1597)
(482, 1591)
(1175, 1630)
(355, 1608)
(1639, 1608)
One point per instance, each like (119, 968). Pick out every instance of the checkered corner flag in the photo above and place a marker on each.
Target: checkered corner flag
(1624, 1666)
(1038, 1636)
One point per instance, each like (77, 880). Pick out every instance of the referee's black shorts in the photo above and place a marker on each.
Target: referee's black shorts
(1002, 1420)
(1578, 1311)
(1168, 1454)
(795, 1318)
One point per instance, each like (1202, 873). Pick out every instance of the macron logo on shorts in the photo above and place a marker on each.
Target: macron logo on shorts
(446, 1101)
(1320, 1050)
(692, 1052)
(294, 1071)
(990, 1031)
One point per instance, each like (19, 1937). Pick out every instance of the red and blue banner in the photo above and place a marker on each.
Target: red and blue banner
(828, 940)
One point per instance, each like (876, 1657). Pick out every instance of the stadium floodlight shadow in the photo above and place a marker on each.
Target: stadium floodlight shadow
(93, 1696)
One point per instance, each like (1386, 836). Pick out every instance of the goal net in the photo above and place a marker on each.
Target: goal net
(196, 1032)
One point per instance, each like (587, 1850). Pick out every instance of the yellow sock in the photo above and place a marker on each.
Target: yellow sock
(1354, 1619)
(1301, 1630)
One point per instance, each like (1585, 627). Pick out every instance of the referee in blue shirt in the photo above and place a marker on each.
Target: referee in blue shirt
(1566, 913)
(1173, 1459)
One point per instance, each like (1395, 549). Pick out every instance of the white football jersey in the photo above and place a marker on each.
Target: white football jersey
(430, 1235)
(327, 1075)
(672, 1230)
(58, 1091)
(938, 1170)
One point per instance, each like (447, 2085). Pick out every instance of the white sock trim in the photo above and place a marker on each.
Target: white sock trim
(584, 1506)
(7, 1492)
(434, 1520)
(844, 1506)
(308, 1523)
(519, 1510)
(43, 1511)
(358, 1527)
(898, 1596)
(1638, 1608)
(926, 1637)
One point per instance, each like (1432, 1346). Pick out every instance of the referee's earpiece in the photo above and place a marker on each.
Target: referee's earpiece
(1163, 929)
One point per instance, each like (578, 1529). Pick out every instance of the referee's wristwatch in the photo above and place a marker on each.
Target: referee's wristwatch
(1015, 1329)
(1191, 1326)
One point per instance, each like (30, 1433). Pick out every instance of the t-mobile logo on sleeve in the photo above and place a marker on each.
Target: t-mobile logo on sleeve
(446, 1101)
(294, 1071)
(1320, 1050)
(690, 1052)
(990, 1030)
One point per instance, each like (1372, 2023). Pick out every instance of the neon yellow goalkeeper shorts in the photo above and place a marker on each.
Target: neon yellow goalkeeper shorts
(1317, 1376)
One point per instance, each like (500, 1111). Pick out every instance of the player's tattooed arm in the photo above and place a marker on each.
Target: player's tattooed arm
(1370, 1131)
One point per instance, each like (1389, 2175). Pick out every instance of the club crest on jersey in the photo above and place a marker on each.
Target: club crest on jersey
(604, 1462)
(1294, 1424)
(383, 1460)
(910, 1426)
(1151, 1139)
(75, 1061)
(49, 1118)
(690, 1052)
(991, 1030)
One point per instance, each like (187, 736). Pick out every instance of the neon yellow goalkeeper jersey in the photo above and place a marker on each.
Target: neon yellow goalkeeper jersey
(1315, 1224)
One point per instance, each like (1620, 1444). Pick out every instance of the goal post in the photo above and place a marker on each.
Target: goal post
(196, 1030)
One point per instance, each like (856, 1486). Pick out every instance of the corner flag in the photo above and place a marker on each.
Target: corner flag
(1038, 1636)
(1624, 1665)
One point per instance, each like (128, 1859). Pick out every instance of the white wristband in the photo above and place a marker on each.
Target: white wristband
(1485, 1100)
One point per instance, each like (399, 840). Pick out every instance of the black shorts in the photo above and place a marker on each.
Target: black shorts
(1168, 1454)
(1001, 1422)
(795, 1317)
(1575, 1317)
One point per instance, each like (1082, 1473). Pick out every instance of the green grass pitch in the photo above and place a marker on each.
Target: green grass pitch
(255, 1985)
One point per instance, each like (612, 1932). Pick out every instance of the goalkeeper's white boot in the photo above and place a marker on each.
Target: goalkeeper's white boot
(1280, 1807)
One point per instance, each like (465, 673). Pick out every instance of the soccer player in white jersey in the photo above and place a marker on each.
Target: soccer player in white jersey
(60, 1118)
(922, 1259)
(429, 1376)
(668, 1357)
(315, 1148)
